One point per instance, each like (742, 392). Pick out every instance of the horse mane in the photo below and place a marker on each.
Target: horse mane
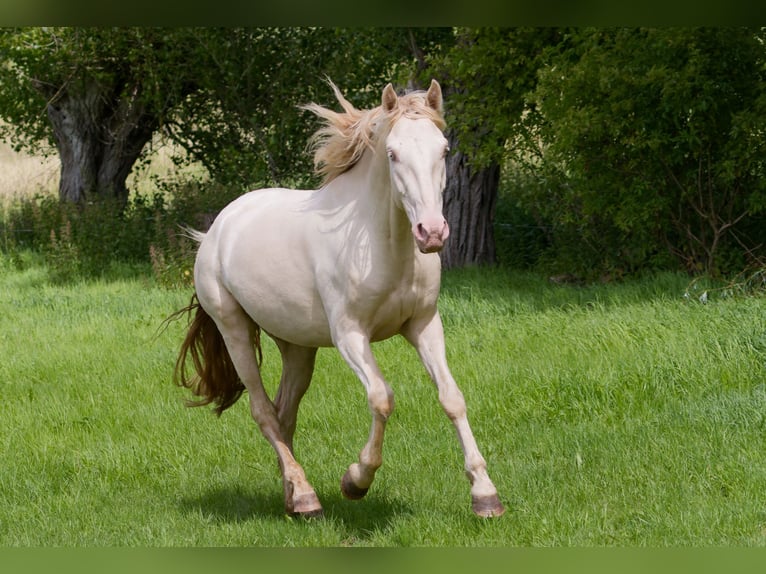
(339, 144)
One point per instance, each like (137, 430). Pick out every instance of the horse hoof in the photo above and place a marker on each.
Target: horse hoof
(316, 513)
(351, 490)
(487, 506)
(306, 506)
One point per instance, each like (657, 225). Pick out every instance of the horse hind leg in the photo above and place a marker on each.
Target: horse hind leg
(300, 498)
(237, 330)
(297, 369)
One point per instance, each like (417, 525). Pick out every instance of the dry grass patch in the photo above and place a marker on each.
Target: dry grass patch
(24, 175)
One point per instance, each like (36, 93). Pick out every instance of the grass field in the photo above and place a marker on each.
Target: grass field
(617, 415)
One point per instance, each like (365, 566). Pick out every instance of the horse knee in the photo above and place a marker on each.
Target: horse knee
(381, 401)
(453, 404)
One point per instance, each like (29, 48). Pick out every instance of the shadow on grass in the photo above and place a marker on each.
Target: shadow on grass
(357, 519)
(360, 518)
(232, 504)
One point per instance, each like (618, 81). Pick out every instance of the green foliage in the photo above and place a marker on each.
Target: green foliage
(155, 66)
(63, 255)
(83, 241)
(245, 124)
(653, 144)
(102, 238)
(628, 148)
(521, 240)
(490, 72)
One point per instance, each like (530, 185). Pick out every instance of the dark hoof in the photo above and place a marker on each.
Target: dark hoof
(306, 506)
(487, 506)
(316, 513)
(351, 490)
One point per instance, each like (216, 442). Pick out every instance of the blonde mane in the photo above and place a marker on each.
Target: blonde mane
(339, 144)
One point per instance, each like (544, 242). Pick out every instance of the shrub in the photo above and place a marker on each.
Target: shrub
(654, 146)
(88, 241)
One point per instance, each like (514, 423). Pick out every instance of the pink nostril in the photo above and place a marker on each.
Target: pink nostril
(431, 232)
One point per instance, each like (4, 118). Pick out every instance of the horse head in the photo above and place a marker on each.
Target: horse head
(416, 150)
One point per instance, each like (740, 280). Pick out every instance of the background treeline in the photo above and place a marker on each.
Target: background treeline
(588, 152)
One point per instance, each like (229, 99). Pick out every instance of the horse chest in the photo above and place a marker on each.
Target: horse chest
(381, 308)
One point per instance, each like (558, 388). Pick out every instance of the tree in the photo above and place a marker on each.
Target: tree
(245, 124)
(487, 73)
(97, 94)
(230, 97)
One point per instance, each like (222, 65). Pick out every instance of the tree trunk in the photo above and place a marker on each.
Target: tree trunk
(469, 207)
(99, 138)
(470, 194)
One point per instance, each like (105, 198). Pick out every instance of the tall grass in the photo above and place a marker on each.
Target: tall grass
(105, 235)
(609, 415)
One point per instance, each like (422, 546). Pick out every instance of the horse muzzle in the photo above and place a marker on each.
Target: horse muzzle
(431, 235)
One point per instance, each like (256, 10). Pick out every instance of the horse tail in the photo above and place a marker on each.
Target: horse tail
(215, 379)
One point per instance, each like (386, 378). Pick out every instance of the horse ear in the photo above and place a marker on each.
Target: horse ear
(434, 96)
(389, 98)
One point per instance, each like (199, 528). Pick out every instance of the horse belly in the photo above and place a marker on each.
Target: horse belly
(286, 315)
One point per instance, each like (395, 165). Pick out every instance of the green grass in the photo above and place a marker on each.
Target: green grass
(617, 415)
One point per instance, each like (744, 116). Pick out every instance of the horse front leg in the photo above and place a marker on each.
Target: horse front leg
(355, 348)
(427, 336)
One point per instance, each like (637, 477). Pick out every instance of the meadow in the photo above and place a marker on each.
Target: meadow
(610, 415)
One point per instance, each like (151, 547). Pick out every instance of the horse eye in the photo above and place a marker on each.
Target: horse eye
(391, 155)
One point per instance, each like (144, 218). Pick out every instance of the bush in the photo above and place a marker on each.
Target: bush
(653, 146)
(521, 239)
(94, 240)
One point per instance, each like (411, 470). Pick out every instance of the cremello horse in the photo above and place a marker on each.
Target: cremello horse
(345, 265)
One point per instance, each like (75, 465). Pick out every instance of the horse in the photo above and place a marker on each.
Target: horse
(351, 263)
